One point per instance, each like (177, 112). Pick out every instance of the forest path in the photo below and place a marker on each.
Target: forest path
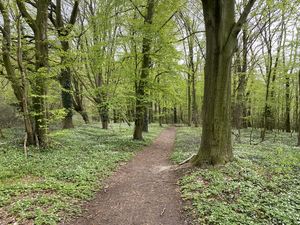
(142, 192)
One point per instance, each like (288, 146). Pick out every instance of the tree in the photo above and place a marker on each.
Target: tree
(298, 113)
(39, 27)
(141, 83)
(19, 84)
(99, 46)
(241, 61)
(77, 89)
(221, 38)
(271, 66)
(65, 77)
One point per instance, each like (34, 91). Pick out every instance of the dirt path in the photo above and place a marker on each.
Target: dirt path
(142, 192)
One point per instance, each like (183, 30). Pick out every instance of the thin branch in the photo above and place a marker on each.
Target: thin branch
(238, 26)
(74, 12)
(191, 34)
(168, 20)
(135, 6)
(31, 22)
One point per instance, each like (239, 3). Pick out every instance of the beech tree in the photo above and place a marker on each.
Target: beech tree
(221, 38)
(99, 47)
(39, 26)
(19, 83)
(134, 61)
(298, 94)
(63, 29)
(191, 52)
(141, 105)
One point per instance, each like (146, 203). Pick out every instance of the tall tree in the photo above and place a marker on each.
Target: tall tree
(242, 64)
(141, 83)
(19, 84)
(100, 26)
(63, 29)
(221, 38)
(271, 65)
(39, 26)
(298, 122)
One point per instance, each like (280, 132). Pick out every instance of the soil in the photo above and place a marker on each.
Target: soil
(142, 192)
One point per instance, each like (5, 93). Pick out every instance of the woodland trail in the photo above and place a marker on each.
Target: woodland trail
(142, 192)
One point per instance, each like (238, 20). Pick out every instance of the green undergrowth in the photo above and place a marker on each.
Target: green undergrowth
(261, 185)
(51, 184)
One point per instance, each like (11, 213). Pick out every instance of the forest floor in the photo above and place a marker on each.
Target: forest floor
(94, 176)
(142, 192)
(260, 186)
(52, 184)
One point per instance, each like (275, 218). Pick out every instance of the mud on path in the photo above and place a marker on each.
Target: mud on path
(142, 192)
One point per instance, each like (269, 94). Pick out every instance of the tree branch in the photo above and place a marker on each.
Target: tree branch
(238, 25)
(189, 35)
(59, 21)
(31, 22)
(167, 21)
(139, 11)
(74, 12)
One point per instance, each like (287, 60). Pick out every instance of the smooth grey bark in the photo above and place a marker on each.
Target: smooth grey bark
(221, 38)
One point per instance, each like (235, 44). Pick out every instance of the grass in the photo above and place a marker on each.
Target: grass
(261, 186)
(50, 185)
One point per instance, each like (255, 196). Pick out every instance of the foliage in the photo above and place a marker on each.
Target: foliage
(261, 186)
(52, 183)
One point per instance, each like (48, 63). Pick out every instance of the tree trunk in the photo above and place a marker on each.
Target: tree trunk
(175, 117)
(298, 112)
(287, 86)
(115, 117)
(141, 103)
(65, 77)
(41, 66)
(181, 115)
(221, 33)
(78, 100)
(192, 84)
(30, 133)
(189, 100)
(194, 102)
(78, 106)
(159, 116)
(165, 113)
(269, 118)
(65, 80)
(19, 86)
(1, 134)
(146, 120)
(155, 112)
(287, 105)
(242, 83)
(151, 113)
(103, 112)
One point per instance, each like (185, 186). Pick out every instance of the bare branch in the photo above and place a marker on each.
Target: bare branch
(31, 22)
(238, 26)
(139, 11)
(74, 12)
